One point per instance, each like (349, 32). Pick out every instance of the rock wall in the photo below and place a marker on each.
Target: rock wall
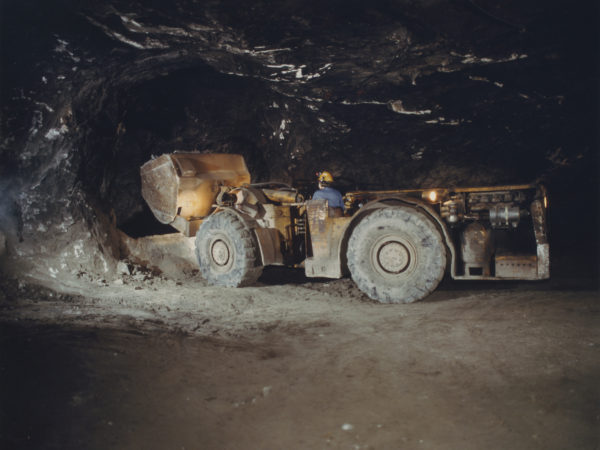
(382, 94)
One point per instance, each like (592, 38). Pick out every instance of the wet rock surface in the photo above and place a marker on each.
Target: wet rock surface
(384, 94)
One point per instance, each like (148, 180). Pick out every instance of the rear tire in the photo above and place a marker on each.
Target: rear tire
(227, 252)
(396, 255)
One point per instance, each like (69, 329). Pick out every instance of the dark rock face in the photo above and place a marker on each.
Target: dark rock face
(382, 94)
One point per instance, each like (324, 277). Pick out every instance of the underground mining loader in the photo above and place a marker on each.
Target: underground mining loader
(397, 245)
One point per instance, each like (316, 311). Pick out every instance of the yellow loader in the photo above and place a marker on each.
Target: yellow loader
(397, 245)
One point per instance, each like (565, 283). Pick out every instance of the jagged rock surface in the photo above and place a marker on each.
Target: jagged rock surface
(383, 94)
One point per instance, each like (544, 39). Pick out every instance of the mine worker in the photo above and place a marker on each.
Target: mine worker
(325, 191)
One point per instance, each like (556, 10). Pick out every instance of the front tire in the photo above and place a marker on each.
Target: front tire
(396, 255)
(227, 252)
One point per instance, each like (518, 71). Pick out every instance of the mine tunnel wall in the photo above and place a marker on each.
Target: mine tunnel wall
(86, 100)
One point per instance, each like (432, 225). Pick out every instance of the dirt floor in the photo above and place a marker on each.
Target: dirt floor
(145, 362)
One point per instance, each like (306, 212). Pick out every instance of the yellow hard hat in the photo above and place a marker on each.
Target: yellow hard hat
(325, 177)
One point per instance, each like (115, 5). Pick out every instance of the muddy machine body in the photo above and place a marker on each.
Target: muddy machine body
(397, 245)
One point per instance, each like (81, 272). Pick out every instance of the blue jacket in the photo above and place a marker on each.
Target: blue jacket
(333, 196)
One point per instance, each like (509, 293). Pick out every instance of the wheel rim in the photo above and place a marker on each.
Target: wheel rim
(220, 253)
(391, 255)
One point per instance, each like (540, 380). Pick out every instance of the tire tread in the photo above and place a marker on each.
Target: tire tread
(247, 268)
(428, 242)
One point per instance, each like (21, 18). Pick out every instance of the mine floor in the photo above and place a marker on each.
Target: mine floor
(160, 364)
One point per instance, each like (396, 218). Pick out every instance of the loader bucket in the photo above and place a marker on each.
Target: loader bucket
(186, 185)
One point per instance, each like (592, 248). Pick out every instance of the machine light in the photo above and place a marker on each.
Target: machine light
(432, 196)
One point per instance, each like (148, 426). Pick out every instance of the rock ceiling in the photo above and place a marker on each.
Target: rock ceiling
(386, 93)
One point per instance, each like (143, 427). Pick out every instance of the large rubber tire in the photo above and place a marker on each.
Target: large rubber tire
(227, 251)
(396, 255)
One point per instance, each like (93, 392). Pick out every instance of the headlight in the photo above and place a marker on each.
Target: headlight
(431, 196)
